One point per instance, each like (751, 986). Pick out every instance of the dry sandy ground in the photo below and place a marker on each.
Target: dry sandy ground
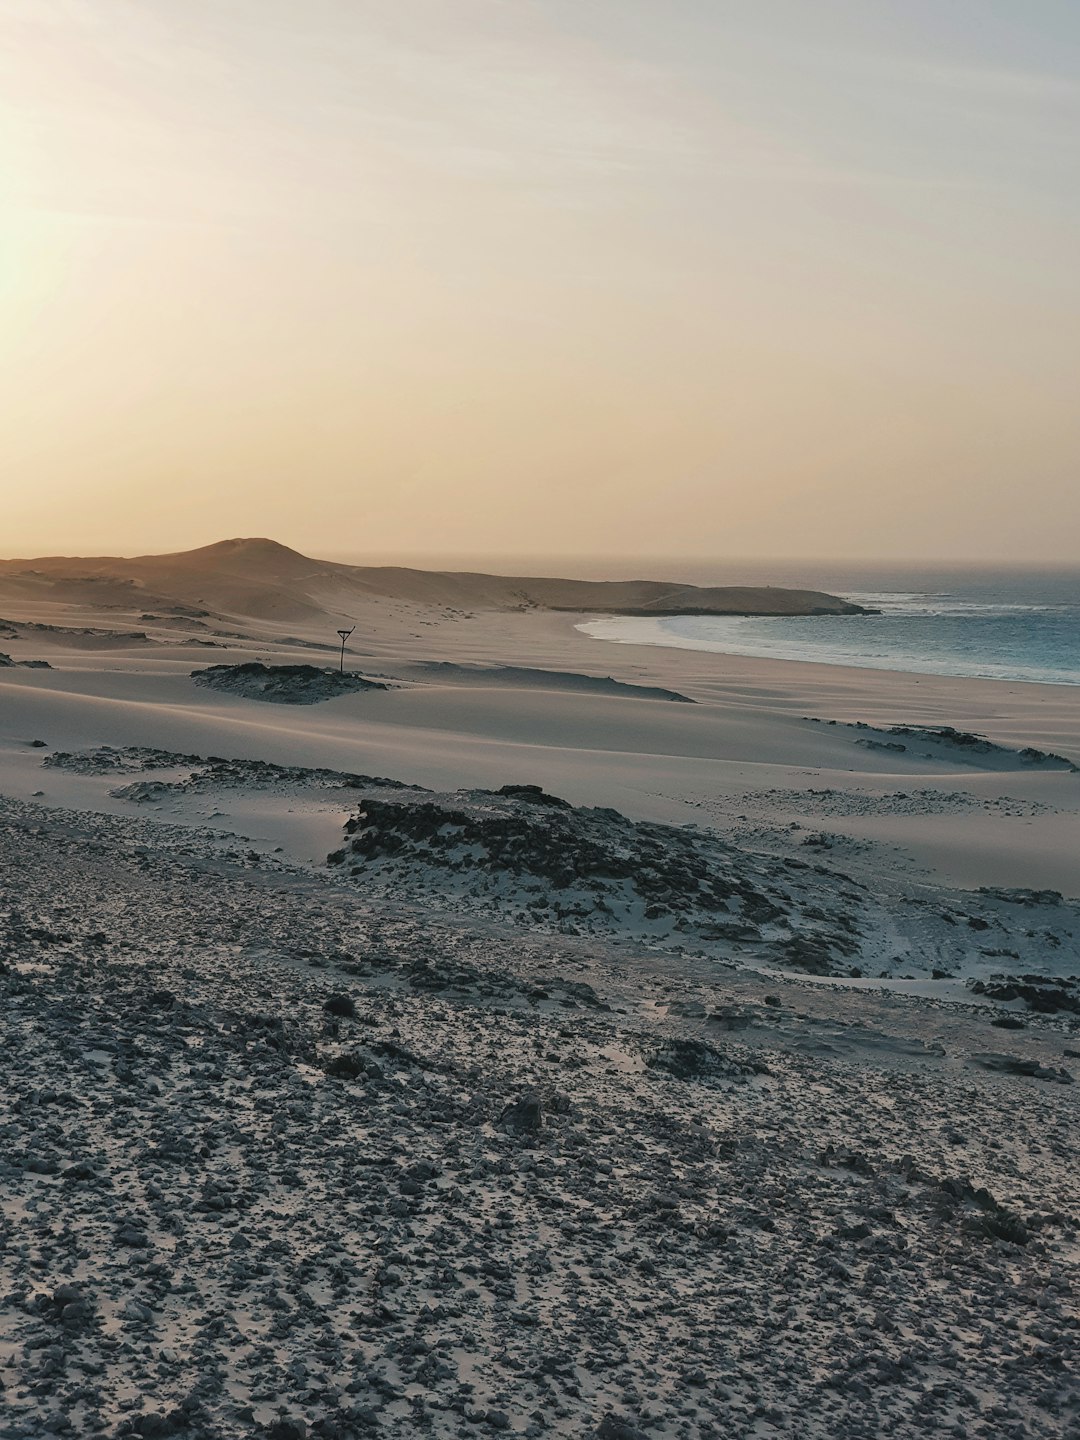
(747, 748)
(749, 1204)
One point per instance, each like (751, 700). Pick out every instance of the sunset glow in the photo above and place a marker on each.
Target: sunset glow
(512, 278)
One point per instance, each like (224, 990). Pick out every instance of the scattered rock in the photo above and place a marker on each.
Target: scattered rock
(615, 1427)
(245, 1240)
(526, 1116)
(1014, 1065)
(343, 1006)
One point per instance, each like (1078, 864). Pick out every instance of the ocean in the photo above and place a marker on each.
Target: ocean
(995, 624)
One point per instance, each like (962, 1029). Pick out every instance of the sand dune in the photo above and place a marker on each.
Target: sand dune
(265, 580)
(526, 677)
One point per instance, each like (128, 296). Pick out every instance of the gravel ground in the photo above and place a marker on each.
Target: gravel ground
(279, 1158)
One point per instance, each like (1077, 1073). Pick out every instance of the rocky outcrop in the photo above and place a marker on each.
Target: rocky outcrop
(541, 861)
(1044, 994)
(945, 742)
(283, 684)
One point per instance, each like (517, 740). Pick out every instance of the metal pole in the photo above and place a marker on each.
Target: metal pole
(344, 636)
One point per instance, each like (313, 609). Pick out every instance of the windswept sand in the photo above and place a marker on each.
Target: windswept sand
(748, 748)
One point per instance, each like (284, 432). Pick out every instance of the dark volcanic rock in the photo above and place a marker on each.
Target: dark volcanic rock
(593, 870)
(546, 839)
(1014, 1065)
(696, 1060)
(947, 741)
(1017, 896)
(283, 684)
(1040, 993)
(615, 1427)
(533, 795)
(810, 953)
(343, 1006)
(526, 1115)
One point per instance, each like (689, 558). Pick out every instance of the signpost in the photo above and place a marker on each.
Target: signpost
(344, 636)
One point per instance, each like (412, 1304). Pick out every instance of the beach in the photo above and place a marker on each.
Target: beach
(753, 729)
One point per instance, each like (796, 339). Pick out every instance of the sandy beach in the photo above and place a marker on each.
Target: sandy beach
(461, 713)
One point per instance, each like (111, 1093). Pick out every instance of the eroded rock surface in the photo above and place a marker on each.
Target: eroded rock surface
(536, 860)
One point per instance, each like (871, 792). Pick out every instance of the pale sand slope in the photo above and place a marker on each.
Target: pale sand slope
(746, 749)
(258, 577)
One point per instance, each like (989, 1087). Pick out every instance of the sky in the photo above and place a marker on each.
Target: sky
(514, 277)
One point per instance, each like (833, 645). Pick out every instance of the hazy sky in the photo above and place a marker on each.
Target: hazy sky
(510, 276)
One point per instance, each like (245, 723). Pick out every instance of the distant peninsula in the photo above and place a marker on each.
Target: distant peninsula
(263, 579)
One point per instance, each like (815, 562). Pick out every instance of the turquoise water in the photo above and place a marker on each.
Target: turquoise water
(1005, 625)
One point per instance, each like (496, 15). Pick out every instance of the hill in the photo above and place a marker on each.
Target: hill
(265, 580)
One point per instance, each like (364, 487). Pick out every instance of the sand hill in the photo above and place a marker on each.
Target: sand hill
(264, 580)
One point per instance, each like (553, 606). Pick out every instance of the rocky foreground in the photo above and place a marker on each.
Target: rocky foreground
(281, 1159)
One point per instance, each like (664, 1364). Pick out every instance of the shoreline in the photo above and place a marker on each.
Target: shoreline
(653, 628)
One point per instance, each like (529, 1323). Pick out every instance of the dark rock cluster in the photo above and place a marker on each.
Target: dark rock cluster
(534, 857)
(961, 744)
(1045, 994)
(283, 684)
(199, 775)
